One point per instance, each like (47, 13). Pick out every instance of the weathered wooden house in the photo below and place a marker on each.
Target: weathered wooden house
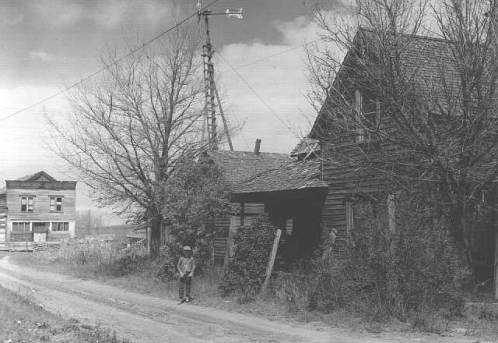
(286, 188)
(37, 208)
(348, 182)
(237, 167)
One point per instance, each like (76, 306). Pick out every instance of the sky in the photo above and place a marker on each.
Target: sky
(47, 45)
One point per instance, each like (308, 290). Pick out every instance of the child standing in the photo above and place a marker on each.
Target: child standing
(186, 267)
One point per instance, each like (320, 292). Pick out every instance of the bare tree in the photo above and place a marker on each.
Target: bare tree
(128, 129)
(434, 132)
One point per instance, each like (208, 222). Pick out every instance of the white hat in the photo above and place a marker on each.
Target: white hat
(187, 248)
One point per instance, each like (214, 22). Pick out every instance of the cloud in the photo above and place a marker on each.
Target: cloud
(109, 14)
(11, 14)
(41, 56)
(298, 31)
(106, 14)
(12, 20)
(274, 105)
(59, 12)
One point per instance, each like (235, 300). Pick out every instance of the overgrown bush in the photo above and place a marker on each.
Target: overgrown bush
(168, 258)
(382, 273)
(246, 271)
(196, 194)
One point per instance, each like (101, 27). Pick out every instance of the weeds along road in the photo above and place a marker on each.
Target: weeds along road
(143, 318)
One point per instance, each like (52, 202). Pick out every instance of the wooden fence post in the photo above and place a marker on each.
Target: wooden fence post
(271, 261)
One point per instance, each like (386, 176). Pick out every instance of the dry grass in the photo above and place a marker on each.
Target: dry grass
(25, 321)
(101, 265)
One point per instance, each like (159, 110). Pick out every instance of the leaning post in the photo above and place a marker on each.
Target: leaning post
(271, 261)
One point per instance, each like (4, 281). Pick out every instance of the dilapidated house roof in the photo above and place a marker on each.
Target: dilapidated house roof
(239, 166)
(306, 147)
(294, 175)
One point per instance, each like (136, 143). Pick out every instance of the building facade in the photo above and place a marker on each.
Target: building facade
(37, 208)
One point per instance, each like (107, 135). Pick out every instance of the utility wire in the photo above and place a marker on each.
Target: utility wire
(256, 93)
(278, 53)
(115, 62)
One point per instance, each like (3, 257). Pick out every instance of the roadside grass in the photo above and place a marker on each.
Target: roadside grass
(140, 275)
(25, 321)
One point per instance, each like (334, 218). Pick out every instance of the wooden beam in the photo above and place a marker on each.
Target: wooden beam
(496, 263)
(271, 261)
(391, 212)
(232, 231)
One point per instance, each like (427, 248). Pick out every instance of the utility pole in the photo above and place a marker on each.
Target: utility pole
(212, 100)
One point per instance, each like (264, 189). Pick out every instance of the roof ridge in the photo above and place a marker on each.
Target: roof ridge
(410, 35)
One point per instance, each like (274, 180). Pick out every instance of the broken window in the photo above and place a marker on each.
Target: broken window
(27, 203)
(56, 204)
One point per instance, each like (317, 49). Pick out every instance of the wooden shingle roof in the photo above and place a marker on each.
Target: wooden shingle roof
(239, 166)
(294, 175)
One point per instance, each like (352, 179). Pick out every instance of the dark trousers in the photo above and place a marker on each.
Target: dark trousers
(184, 286)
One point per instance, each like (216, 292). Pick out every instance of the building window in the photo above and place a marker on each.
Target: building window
(367, 112)
(289, 226)
(55, 204)
(60, 226)
(27, 203)
(21, 227)
(358, 107)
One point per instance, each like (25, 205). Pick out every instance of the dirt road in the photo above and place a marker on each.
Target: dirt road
(143, 318)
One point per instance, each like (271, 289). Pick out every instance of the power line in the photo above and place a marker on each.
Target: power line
(256, 93)
(278, 53)
(115, 62)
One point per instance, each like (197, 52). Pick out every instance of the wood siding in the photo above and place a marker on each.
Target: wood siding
(227, 226)
(3, 218)
(41, 205)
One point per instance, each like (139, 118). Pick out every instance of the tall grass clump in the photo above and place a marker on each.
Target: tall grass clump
(97, 256)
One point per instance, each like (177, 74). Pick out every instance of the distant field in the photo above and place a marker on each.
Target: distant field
(24, 321)
(118, 231)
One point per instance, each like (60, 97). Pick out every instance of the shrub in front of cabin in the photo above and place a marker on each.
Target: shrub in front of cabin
(246, 270)
(384, 274)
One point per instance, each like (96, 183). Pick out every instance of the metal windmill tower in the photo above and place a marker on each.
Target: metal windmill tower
(212, 98)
